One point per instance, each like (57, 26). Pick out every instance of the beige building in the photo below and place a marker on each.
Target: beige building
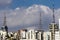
(21, 34)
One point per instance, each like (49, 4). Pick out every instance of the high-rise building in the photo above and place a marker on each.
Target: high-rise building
(52, 28)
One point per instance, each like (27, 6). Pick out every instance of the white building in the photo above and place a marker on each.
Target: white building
(31, 34)
(39, 34)
(59, 24)
(23, 34)
(47, 35)
(57, 35)
(2, 35)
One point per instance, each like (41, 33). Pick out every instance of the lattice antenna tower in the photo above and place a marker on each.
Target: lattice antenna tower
(53, 6)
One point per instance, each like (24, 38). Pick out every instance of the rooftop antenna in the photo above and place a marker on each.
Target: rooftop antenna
(40, 20)
(4, 24)
(53, 11)
(5, 28)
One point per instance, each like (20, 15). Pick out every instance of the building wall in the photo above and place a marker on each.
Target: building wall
(2, 35)
(57, 35)
(47, 35)
(52, 28)
(59, 23)
(31, 34)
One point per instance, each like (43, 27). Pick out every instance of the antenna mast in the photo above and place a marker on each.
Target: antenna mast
(40, 21)
(53, 15)
(53, 12)
(4, 24)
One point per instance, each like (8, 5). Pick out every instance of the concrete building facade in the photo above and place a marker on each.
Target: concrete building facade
(52, 28)
(47, 35)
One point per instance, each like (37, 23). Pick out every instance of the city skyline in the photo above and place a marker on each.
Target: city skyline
(25, 13)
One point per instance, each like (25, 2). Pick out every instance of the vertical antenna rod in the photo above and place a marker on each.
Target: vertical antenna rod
(53, 12)
(4, 24)
(40, 21)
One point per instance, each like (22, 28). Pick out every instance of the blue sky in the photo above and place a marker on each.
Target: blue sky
(26, 13)
(27, 3)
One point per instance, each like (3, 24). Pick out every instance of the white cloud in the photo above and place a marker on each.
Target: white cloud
(5, 2)
(57, 15)
(30, 16)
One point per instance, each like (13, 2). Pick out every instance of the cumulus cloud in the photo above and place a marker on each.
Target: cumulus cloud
(30, 17)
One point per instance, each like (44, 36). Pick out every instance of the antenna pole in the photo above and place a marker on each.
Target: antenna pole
(4, 24)
(53, 15)
(53, 12)
(40, 21)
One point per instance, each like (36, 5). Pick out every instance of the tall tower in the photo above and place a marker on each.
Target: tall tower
(40, 23)
(53, 26)
(4, 27)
